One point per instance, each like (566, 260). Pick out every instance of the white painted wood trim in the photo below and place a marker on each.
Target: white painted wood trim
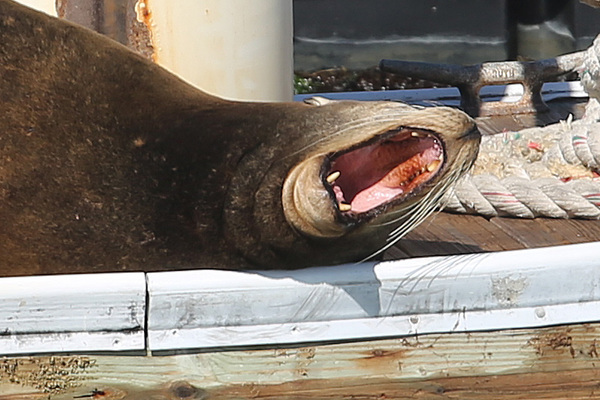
(502, 290)
(374, 328)
(211, 308)
(72, 313)
(451, 96)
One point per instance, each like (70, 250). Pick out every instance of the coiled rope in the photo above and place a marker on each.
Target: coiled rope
(550, 171)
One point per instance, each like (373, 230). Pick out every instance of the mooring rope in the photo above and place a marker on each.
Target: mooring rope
(550, 171)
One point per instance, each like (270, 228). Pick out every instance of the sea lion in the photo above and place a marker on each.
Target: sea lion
(109, 162)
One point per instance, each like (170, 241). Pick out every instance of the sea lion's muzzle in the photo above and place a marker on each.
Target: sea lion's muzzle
(333, 193)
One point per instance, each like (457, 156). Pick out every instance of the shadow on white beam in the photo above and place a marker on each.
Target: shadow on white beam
(487, 291)
(204, 309)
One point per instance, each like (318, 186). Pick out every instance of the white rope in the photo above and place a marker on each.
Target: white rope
(590, 72)
(540, 172)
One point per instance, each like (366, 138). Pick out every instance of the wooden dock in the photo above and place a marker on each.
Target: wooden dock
(459, 315)
(510, 325)
(445, 234)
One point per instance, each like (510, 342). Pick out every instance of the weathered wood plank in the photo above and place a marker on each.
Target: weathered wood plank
(556, 362)
(549, 232)
(445, 234)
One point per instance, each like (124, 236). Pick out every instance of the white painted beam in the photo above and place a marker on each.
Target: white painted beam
(451, 96)
(212, 308)
(72, 313)
(502, 290)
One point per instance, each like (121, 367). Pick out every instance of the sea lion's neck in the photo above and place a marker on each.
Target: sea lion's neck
(109, 162)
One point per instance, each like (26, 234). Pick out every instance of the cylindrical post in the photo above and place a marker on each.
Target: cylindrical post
(234, 49)
(47, 6)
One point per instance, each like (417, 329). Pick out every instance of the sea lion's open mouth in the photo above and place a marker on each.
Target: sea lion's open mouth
(364, 179)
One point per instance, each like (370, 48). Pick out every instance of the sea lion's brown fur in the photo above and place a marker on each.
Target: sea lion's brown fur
(108, 162)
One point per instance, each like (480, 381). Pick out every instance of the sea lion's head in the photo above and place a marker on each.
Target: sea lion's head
(360, 176)
(133, 168)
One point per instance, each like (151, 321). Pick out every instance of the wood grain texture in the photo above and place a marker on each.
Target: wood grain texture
(549, 363)
(445, 234)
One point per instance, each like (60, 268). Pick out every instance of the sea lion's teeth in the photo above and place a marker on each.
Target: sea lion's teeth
(344, 207)
(333, 176)
(434, 164)
(415, 134)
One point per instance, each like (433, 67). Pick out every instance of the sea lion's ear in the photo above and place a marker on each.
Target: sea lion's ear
(317, 101)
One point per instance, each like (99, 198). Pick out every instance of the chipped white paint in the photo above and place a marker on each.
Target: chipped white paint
(72, 313)
(47, 6)
(511, 289)
(239, 50)
(507, 289)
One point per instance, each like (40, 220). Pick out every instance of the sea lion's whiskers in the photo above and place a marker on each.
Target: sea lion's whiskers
(414, 207)
(434, 269)
(423, 209)
(444, 265)
(422, 205)
(402, 210)
(432, 196)
(421, 213)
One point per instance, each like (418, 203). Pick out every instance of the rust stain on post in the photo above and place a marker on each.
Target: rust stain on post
(61, 8)
(139, 29)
